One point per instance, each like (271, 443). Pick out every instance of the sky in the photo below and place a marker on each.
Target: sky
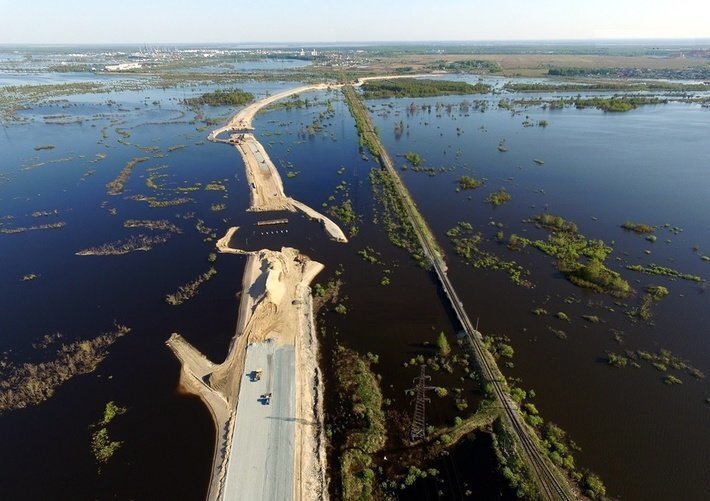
(239, 21)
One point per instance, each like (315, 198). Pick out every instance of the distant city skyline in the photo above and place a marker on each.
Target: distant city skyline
(318, 21)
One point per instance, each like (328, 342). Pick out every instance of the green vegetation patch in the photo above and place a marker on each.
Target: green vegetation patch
(362, 427)
(469, 183)
(554, 223)
(412, 87)
(616, 104)
(366, 130)
(22, 229)
(224, 97)
(190, 289)
(159, 224)
(116, 186)
(132, 244)
(653, 269)
(346, 213)
(498, 346)
(32, 383)
(640, 228)
(657, 292)
(662, 360)
(511, 464)
(499, 197)
(598, 86)
(413, 158)
(102, 447)
(215, 186)
(394, 215)
(155, 203)
(579, 259)
(467, 244)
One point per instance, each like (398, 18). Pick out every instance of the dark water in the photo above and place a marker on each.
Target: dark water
(168, 437)
(646, 439)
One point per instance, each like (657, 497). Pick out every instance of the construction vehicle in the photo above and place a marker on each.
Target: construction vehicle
(256, 375)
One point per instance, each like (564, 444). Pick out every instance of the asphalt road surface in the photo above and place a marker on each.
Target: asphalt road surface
(261, 461)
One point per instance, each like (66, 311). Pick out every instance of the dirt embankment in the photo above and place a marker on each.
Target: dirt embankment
(266, 189)
(275, 304)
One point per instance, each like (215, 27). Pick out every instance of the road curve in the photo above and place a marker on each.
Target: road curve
(243, 120)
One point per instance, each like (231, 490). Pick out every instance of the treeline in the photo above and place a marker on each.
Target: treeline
(411, 87)
(366, 131)
(467, 65)
(624, 103)
(603, 86)
(228, 97)
(695, 73)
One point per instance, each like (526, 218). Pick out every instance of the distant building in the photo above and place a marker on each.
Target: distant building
(314, 53)
(303, 53)
(123, 67)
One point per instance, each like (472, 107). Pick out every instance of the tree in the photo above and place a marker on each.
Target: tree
(443, 343)
(595, 488)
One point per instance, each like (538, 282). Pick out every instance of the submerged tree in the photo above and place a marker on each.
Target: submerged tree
(443, 343)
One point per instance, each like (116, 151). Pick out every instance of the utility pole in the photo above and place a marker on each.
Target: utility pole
(419, 419)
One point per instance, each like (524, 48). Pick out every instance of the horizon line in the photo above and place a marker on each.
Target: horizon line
(376, 42)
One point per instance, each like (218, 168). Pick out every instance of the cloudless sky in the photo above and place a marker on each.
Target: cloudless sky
(239, 21)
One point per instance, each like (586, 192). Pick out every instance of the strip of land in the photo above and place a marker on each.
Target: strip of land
(275, 316)
(265, 184)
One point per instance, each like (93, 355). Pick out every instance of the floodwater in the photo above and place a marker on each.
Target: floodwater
(644, 438)
(271, 64)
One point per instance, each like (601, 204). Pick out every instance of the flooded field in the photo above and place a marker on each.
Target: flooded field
(645, 438)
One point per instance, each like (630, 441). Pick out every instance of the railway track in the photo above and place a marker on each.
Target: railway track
(551, 483)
